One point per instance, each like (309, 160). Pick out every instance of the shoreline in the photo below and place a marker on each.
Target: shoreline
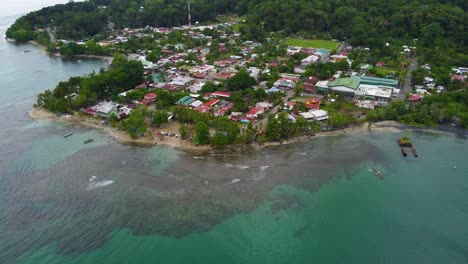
(149, 139)
(58, 55)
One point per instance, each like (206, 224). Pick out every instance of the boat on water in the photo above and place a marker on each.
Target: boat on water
(378, 173)
(67, 135)
(88, 141)
(26, 51)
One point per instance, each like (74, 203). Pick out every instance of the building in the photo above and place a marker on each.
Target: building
(221, 94)
(317, 115)
(254, 112)
(185, 101)
(377, 81)
(313, 103)
(380, 94)
(344, 85)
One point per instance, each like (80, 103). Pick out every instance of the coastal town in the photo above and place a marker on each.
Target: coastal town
(212, 70)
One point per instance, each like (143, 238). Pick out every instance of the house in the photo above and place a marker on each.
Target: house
(195, 104)
(457, 77)
(151, 97)
(380, 64)
(185, 101)
(264, 105)
(273, 90)
(289, 106)
(221, 94)
(104, 109)
(319, 115)
(313, 103)
(223, 76)
(212, 102)
(309, 60)
(221, 111)
(235, 116)
(322, 86)
(254, 112)
(203, 109)
(414, 98)
(308, 85)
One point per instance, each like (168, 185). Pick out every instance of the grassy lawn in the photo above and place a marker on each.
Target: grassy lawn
(312, 43)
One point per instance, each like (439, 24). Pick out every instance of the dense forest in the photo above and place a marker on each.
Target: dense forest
(440, 26)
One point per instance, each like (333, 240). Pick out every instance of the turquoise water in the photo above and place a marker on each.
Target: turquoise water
(313, 202)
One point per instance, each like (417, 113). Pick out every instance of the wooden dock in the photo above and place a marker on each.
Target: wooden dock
(405, 142)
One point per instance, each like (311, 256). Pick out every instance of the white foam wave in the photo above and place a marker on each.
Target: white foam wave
(262, 173)
(241, 167)
(100, 184)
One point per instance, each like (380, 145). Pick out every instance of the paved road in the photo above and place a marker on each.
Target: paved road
(407, 87)
(275, 109)
(51, 35)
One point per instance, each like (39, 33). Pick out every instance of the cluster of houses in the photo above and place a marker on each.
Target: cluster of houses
(459, 74)
(173, 72)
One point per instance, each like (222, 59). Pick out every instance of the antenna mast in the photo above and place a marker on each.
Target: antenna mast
(189, 14)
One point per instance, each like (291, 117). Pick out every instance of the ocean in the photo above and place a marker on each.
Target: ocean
(317, 201)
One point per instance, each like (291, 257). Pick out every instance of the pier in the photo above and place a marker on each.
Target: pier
(405, 142)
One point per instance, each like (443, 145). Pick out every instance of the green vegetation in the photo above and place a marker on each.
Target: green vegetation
(439, 26)
(312, 43)
(433, 110)
(121, 76)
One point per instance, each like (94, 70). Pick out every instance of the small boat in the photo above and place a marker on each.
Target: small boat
(67, 135)
(235, 181)
(378, 173)
(26, 51)
(79, 61)
(88, 141)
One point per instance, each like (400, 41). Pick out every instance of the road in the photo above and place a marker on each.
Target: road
(51, 35)
(407, 87)
(275, 109)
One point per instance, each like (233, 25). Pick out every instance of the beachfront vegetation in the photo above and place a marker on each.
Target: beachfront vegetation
(433, 110)
(122, 75)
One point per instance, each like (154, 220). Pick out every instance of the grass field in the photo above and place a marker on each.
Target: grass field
(312, 43)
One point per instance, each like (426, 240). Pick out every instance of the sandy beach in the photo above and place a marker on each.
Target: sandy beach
(150, 138)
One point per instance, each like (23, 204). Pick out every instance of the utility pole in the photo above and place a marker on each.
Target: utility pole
(189, 14)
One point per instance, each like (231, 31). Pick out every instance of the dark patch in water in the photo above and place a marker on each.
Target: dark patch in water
(300, 232)
(176, 202)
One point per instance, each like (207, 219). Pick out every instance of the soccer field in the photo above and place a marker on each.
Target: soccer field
(312, 43)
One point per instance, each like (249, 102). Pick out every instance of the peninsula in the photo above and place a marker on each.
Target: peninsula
(238, 81)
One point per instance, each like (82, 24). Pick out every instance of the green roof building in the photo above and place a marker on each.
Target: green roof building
(186, 100)
(377, 81)
(344, 85)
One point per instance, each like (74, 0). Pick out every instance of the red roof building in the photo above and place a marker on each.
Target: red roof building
(254, 112)
(221, 94)
(456, 77)
(145, 101)
(211, 102)
(313, 103)
(414, 98)
(151, 96)
(203, 109)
